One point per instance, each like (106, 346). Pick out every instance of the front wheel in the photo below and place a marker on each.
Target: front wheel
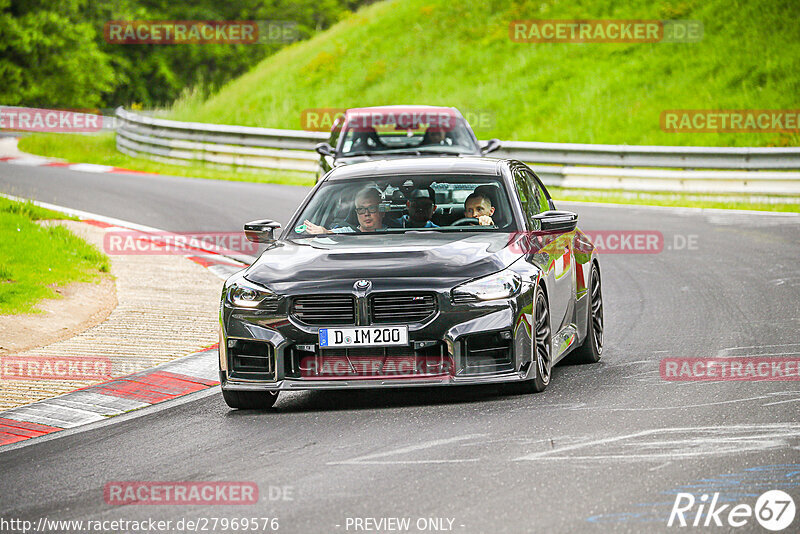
(249, 400)
(542, 348)
(592, 347)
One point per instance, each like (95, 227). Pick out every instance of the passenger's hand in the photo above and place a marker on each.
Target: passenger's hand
(485, 220)
(312, 228)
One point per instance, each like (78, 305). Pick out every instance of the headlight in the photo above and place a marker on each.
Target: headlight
(501, 285)
(244, 294)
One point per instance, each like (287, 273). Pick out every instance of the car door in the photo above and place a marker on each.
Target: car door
(556, 249)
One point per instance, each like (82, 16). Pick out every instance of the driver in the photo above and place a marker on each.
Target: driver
(479, 206)
(421, 205)
(370, 217)
(435, 136)
(366, 140)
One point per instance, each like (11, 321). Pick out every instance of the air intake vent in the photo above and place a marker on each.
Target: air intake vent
(250, 359)
(325, 309)
(488, 353)
(402, 307)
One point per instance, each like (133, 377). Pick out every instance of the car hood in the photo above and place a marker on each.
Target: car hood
(432, 259)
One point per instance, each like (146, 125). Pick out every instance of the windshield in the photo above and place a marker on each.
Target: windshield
(450, 203)
(366, 135)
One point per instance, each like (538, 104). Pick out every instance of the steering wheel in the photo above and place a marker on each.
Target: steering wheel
(465, 221)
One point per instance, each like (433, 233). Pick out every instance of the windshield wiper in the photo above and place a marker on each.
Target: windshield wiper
(402, 152)
(438, 152)
(383, 152)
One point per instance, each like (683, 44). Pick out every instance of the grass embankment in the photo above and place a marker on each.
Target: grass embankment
(101, 149)
(459, 54)
(34, 259)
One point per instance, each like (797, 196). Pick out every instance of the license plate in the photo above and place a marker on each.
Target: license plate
(363, 336)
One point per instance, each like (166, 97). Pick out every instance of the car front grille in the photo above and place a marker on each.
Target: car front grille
(402, 307)
(325, 309)
(385, 308)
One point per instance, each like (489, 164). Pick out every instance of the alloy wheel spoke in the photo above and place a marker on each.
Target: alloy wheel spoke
(542, 331)
(542, 340)
(597, 312)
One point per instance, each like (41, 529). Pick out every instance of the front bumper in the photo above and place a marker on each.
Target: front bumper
(371, 383)
(483, 343)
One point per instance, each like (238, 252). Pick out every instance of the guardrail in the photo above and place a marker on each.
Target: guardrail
(234, 146)
(691, 169)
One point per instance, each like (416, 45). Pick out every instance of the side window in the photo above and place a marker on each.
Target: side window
(538, 201)
(543, 200)
(544, 203)
(526, 197)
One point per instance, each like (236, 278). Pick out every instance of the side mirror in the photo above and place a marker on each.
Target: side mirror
(261, 231)
(491, 146)
(324, 149)
(555, 222)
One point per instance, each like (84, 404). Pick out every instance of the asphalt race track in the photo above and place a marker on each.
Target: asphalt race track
(605, 448)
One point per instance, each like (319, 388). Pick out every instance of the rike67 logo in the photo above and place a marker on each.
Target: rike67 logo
(774, 510)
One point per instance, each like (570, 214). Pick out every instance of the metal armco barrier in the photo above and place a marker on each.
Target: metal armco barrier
(689, 169)
(235, 146)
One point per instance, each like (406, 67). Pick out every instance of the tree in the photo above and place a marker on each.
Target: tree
(49, 57)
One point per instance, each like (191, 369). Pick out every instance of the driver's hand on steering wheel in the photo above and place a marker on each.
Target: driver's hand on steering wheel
(485, 220)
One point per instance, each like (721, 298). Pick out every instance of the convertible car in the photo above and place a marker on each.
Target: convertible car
(413, 272)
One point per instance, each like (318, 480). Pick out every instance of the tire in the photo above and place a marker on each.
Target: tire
(249, 400)
(592, 347)
(542, 346)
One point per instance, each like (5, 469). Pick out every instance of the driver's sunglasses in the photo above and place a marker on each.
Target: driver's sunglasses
(364, 210)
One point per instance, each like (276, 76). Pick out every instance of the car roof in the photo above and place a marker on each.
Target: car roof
(426, 165)
(400, 108)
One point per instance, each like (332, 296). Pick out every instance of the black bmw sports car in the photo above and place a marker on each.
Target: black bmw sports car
(413, 272)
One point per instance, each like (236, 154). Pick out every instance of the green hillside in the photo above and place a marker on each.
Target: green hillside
(442, 52)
